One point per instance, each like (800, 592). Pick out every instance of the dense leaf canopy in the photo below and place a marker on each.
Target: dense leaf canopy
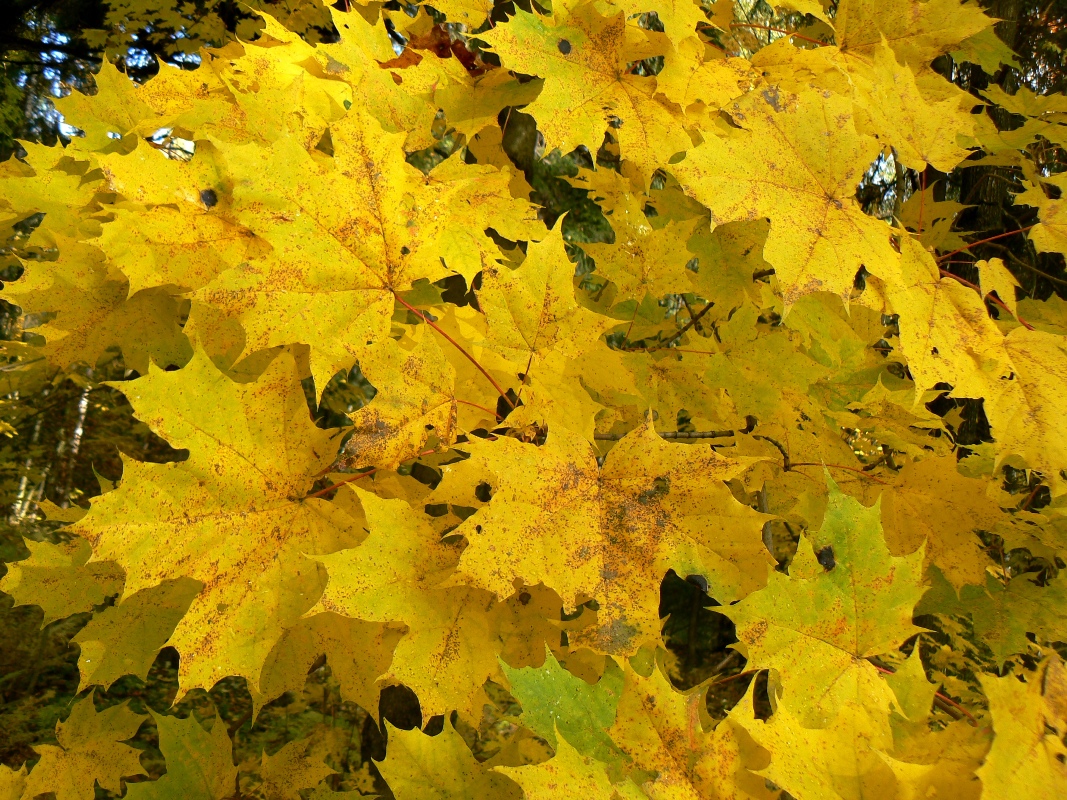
(409, 417)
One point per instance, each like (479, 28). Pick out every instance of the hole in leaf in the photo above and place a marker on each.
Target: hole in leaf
(399, 707)
(826, 558)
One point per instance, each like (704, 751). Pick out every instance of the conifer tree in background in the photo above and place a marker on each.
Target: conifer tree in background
(576, 401)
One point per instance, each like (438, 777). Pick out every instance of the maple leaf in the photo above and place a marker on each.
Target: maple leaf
(789, 626)
(1002, 613)
(678, 17)
(995, 277)
(945, 330)
(568, 771)
(359, 60)
(584, 59)
(608, 533)
(121, 106)
(394, 575)
(921, 122)
(472, 102)
(57, 578)
(335, 267)
(358, 653)
(124, 639)
(839, 759)
(468, 12)
(283, 774)
(664, 734)
(1026, 415)
(531, 311)
(635, 262)
(251, 459)
(50, 183)
(199, 763)
(697, 73)
(556, 704)
(440, 767)
(417, 403)
(12, 782)
(1027, 757)
(802, 175)
(932, 503)
(164, 246)
(90, 750)
(917, 31)
(93, 310)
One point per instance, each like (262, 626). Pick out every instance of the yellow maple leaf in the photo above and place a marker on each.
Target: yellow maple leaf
(417, 403)
(92, 310)
(931, 502)
(283, 774)
(841, 758)
(335, 266)
(608, 534)
(531, 311)
(394, 575)
(441, 767)
(230, 516)
(358, 653)
(584, 60)
(90, 750)
(698, 73)
(1028, 754)
(568, 772)
(663, 731)
(917, 31)
(922, 122)
(802, 174)
(124, 639)
(57, 578)
(1027, 415)
(165, 246)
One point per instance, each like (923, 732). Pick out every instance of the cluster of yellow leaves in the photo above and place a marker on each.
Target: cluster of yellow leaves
(258, 222)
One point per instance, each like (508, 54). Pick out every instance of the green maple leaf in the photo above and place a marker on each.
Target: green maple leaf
(199, 763)
(816, 627)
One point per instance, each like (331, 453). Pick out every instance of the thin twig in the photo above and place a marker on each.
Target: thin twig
(614, 437)
(732, 677)
(339, 484)
(922, 199)
(525, 375)
(481, 408)
(20, 364)
(991, 297)
(778, 30)
(1034, 269)
(692, 321)
(672, 349)
(692, 314)
(457, 345)
(633, 319)
(983, 241)
(842, 466)
(937, 696)
(1030, 498)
